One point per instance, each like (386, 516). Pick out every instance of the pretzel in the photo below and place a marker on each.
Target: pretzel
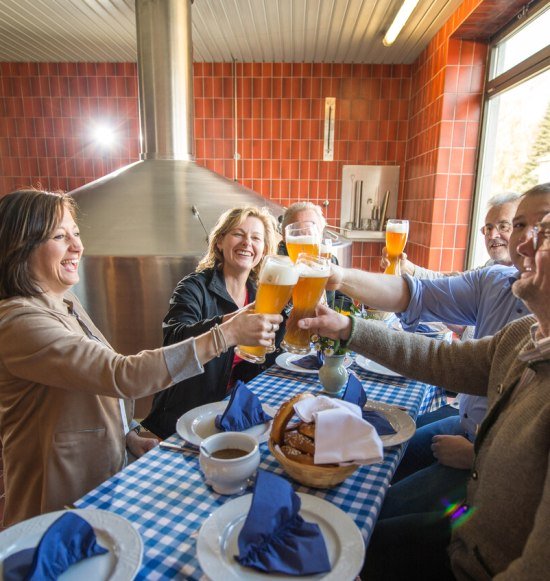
(307, 430)
(283, 416)
(296, 455)
(300, 442)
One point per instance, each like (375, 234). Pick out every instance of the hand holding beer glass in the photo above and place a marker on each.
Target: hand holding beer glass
(326, 248)
(302, 237)
(314, 273)
(278, 276)
(396, 238)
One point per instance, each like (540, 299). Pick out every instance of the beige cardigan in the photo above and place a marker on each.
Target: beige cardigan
(60, 418)
(507, 532)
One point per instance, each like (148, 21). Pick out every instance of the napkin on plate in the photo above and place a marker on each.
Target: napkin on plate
(427, 331)
(312, 361)
(342, 436)
(67, 540)
(275, 538)
(243, 411)
(356, 394)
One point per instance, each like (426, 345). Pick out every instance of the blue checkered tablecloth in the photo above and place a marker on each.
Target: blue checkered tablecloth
(164, 496)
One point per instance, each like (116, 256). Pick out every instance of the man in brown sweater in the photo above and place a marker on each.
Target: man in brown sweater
(501, 531)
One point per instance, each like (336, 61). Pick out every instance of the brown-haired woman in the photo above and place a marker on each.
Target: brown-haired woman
(224, 281)
(65, 395)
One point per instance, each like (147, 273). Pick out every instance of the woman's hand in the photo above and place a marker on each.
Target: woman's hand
(138, 445)
(328, 323)
(229, 316)
(249, 328)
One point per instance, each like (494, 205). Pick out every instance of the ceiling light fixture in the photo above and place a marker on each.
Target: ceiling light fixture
(399, 21)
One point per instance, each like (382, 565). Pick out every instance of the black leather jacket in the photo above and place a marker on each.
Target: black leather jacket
(199, 302)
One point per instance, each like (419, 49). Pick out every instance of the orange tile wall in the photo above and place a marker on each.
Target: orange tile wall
(280, 122)
(423, 117)
(443, 143)
(48, 112)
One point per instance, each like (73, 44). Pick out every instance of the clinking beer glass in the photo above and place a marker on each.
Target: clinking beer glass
(396, 238)
(278, 276)
(314, 272)
(302, 237)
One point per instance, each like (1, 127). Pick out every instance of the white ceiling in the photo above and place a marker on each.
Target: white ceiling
(340, 31)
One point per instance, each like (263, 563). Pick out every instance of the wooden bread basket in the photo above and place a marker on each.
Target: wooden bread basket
(316, 476)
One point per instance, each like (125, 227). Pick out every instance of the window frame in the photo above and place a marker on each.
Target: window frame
(536, 64)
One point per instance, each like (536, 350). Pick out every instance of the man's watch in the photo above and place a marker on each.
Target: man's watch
(136, 429)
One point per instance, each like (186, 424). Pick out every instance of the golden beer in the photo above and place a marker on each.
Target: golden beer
(302, 237)
(396, 238)
(278, 276)
(314, 272)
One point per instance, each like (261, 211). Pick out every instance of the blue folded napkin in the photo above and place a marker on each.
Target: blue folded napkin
(356, 394)
(275, 538)
(67, 540)
(243, 411)
(312, 361)
(426, 330)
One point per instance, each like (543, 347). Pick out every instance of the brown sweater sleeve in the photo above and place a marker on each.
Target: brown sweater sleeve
(459, 366)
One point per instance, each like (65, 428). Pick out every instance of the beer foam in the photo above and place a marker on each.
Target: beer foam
(398, 228)
(281, 273)
(304, 239)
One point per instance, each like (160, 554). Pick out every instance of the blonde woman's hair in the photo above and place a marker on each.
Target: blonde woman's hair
(232, 219)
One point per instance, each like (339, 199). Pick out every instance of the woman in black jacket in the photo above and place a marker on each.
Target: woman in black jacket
(224, 282)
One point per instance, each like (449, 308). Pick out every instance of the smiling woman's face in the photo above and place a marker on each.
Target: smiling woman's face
(54, 264)
(243, 246)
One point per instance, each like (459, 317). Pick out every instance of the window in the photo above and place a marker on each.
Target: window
(515, 147)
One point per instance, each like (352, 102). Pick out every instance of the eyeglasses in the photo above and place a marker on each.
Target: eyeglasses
(502, 228)
(541, 236)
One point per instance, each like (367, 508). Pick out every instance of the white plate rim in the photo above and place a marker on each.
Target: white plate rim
(282, 361)
(127, 547)
(398, 418)
(368, 364)
(314, 509)
(184, 425)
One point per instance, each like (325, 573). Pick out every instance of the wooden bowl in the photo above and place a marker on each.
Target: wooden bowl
(314, 476)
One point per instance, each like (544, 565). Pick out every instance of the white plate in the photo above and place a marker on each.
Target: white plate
(113, 532)
(399, 419)
(369, 365)
(197, 424)
(218, 541)
(285, 360)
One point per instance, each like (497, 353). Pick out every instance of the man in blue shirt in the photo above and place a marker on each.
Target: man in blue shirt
(482, 298)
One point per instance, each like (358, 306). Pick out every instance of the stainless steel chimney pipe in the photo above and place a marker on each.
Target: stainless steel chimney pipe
(139, 230)
(165, 72)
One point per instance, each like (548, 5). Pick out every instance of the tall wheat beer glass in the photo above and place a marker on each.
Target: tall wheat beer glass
(314, 272)
(278, 276)
(302, 237)
(396, 238)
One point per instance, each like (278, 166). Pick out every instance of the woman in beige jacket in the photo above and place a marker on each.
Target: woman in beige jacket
(65, 394)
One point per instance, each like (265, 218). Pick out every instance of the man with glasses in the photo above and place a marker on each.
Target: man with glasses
(503, 526)
(496, 231)
(437, 463)
(444, 440)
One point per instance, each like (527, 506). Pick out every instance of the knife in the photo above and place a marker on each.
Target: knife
(185, 447)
